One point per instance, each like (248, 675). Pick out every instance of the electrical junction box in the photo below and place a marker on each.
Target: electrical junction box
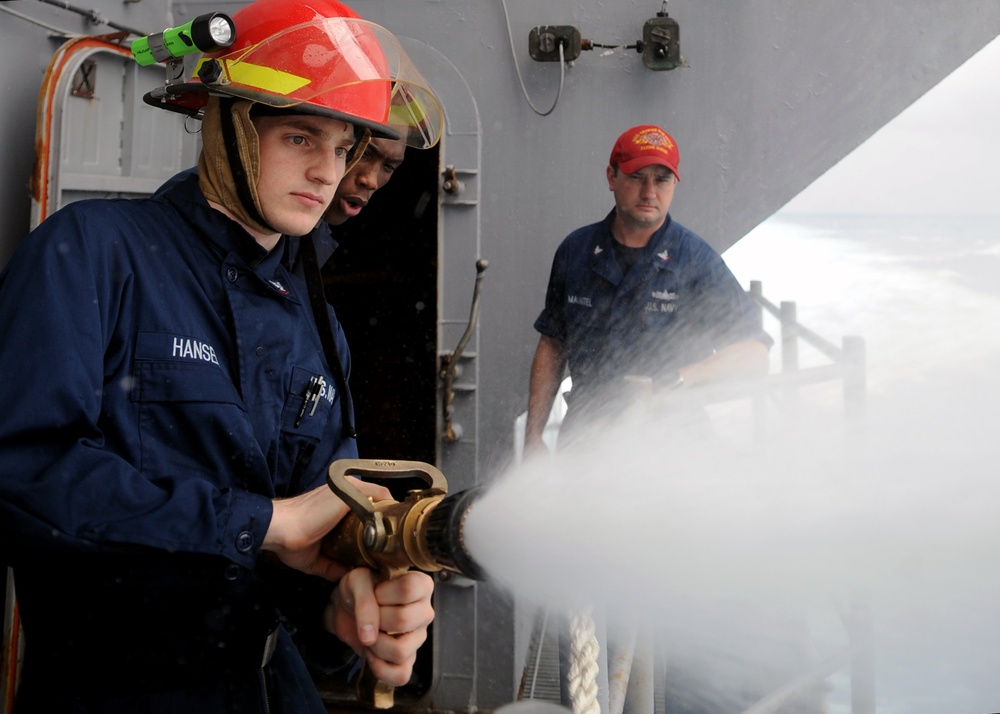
(661, 42)
(544, 42)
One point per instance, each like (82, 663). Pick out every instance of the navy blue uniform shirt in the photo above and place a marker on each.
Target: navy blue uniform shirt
(155, 361)
(677, 304)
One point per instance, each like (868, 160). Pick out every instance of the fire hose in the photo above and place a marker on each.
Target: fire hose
(423, 531)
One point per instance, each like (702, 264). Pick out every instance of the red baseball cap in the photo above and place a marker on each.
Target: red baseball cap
(643, 146)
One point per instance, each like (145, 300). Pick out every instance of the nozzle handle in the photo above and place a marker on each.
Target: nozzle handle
(384, 469)
(371, 690)
(361, 505)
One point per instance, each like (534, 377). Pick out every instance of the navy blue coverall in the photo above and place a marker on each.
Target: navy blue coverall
(155, 360)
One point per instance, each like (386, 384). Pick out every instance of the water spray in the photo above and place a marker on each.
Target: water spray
(424, 532)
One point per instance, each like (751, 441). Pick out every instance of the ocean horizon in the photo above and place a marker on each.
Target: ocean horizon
(908, 284)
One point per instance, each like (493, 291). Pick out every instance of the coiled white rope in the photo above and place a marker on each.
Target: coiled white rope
(581, 677)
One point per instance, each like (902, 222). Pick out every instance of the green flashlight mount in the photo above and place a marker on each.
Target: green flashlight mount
(205, 33)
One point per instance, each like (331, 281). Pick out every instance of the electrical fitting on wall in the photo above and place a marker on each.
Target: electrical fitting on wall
(660, 45)
(661, 41)
(660, 48)
(545, 43)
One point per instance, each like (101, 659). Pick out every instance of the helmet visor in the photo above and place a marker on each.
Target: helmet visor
(350, 68)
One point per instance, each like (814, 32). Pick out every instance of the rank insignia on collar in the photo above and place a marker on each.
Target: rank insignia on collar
(279, 287)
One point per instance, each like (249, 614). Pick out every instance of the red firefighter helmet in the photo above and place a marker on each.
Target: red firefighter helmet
(318, 57)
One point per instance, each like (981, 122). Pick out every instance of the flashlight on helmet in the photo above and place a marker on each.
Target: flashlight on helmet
(206, 33)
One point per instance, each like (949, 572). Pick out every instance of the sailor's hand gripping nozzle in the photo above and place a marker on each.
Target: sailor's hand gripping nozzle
(423, 531)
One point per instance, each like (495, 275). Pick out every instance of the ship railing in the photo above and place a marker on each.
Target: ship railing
(847, 361)
(847, 364)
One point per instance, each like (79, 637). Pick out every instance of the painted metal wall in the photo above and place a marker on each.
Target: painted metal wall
(25, 51)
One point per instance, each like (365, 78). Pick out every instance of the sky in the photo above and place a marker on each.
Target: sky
(939, 156)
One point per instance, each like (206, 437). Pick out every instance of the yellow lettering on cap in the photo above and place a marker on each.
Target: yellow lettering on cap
(654, 139)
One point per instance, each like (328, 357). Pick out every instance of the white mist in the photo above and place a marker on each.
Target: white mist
(718, 538)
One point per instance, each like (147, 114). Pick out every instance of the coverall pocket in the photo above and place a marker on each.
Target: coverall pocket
(196, 405)
(307, 407)
(305, 421)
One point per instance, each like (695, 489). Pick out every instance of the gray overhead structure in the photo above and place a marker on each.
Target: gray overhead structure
(770, 94)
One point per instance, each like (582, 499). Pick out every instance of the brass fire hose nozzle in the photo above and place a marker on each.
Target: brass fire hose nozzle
(384, 536)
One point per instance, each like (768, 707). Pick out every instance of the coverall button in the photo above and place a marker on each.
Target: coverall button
(244, 541)
(232, 273)
(259, 351)
(232, 572)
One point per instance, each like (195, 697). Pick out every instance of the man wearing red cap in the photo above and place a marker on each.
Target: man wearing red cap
(638, 294)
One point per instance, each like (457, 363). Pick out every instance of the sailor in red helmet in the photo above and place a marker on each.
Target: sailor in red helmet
(163, 451)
